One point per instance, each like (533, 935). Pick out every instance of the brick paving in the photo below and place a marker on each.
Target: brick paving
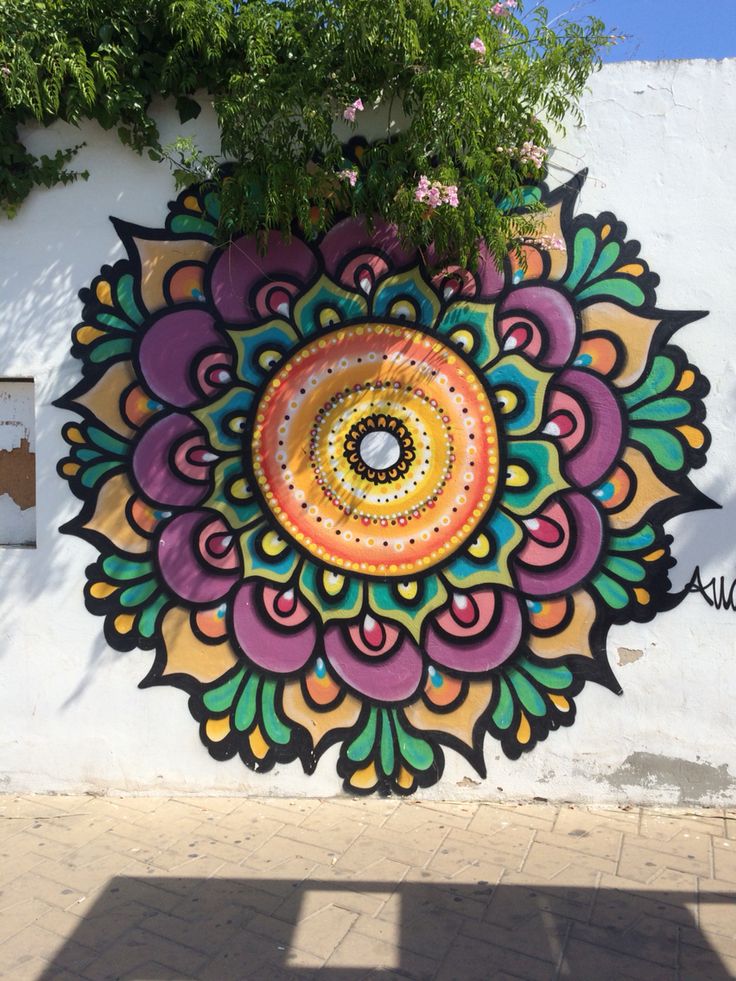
(232, 888)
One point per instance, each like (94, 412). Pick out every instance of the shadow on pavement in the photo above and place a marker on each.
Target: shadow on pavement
(164, 928)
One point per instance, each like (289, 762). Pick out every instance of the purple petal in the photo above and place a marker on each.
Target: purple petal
(393, 678)
(241, 268)
(188, 567)
(586, 536)
(474, 654)
(601, 443)
(552, 313)
(155, 463)
(267, 642)
(169, 350)
(351, 236)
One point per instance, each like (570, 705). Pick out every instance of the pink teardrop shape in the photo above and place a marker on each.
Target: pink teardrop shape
(560, 424)
(286, 602)
(464, 609)
(365, 279)
(518, 337)
(278, 301)
(372, 633)
(200, 455)
(219, 544)
(545, 531)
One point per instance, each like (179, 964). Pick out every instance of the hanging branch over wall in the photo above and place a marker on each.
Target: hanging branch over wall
(476, 90)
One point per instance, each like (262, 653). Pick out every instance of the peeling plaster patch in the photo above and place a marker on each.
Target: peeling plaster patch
(693, 782)
(18, 474)
(627, 655)
(468, 782)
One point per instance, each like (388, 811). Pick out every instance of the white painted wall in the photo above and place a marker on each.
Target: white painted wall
(658, 140)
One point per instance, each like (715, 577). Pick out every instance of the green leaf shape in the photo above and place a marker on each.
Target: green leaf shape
(92, 476)
(528, 384)
(527, 694)
(619, 288)
(625, 568)
(635, 541)
(120, 569)
(584, 246)
(407, 292)
(125, 295)
(628, 569)
(503, 714)
(522, 197)
(327, 305)
(111, 349)
(221, 419)
(612, 592)
(138, 594)
(537, 463)
(386, 601)
(107, 442)
(475, 320)
(260, 349)
(664, 446)
(661, 410)
(505, 536)
(387, 755)
(148, 622)
(554, 678)
(360, 748)
(275, 728)
(344, 603)
(607, 258)
(247, 704)
(258, 563)
(416, 752)
(238, 512)
(220, 699)
(192, 225)
(659, 379)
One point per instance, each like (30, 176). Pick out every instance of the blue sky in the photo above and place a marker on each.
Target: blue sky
(659, 28)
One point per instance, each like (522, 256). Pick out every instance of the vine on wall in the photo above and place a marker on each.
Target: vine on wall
(479, 88)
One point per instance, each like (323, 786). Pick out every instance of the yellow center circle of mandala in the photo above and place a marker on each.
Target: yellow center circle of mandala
(329, 413)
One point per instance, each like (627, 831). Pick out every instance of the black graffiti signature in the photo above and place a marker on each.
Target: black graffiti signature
(716, 592)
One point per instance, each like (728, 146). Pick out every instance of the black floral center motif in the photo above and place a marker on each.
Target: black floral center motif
(380, 448)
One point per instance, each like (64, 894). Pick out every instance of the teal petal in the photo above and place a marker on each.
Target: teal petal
(470, 327)
(664, 446)
(661, 410)
(327, 305)
(260, 349)
(221, 698)
(407, 297)
(362, 745)
(527, 386)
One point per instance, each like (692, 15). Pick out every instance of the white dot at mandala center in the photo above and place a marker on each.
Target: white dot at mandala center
(379, 450)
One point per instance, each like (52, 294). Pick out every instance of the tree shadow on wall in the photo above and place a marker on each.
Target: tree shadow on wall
(162, 928)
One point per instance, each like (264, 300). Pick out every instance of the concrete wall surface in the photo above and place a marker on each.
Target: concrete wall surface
(658, 142)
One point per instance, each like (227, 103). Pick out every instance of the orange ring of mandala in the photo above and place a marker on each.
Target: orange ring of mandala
(311, 460)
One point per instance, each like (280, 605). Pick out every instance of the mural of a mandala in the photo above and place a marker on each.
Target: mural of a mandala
(348, 498)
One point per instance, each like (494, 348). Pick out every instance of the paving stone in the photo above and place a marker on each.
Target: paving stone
(217, 888)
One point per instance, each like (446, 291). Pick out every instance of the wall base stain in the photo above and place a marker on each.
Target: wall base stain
(627, 655)
(694, 781)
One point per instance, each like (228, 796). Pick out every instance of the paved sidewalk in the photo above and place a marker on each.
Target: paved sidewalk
(150, 888)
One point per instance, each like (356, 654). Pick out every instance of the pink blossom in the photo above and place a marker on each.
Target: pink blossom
(435, 193)
(351, 176)
(477, 45)
(349, 112)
